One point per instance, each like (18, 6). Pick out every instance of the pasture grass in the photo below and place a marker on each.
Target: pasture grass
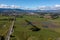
(22, 30)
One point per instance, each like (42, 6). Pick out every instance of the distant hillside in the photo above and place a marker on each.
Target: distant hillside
(22, 10)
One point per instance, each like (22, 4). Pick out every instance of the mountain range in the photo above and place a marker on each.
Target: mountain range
(22, 10)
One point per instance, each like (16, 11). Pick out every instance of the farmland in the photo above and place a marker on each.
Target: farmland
(48, 28)
(29, 27)
(4, 26)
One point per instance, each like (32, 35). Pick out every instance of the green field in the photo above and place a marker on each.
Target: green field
(22, 30)
(4, 25)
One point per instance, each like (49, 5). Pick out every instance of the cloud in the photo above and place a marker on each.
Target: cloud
(57, 5)
(8, 6)
(43, 7)
(54, 7)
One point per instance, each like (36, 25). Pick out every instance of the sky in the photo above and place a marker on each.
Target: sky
(30, 4)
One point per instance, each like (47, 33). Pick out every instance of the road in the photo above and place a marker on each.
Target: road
(10, 31)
